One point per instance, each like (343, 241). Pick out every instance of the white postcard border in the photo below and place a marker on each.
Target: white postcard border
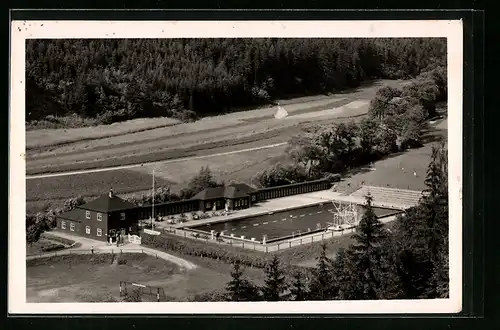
(22, 30)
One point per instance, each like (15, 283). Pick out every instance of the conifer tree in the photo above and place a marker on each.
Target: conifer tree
(299, 288)
(275, 283)
(239, 288)
(321, 286)
(434, 206)
(422, 236)
(435, 200)
(367, 253)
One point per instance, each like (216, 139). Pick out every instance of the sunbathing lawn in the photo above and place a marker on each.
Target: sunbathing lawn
(62, 279)
(79, 279)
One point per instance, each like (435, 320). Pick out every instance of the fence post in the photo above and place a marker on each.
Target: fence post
(312, 239)
(290, 244)
(184, 234)
(301, 241)
(266, 248)
(278, 246)
(254, 246)
(243, 244)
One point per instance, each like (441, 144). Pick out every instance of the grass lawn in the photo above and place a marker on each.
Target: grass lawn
(210, 276)
(87, 278)
(79, 279)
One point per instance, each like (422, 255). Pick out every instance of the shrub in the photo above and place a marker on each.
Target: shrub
(225, 253)
(122, 261)
(216, 295)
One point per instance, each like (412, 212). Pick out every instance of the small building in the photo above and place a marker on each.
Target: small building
(232, 197)
(101, 219)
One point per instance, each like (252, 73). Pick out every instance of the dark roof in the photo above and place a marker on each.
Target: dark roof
(74, 215)
(107, 204)
(243, 187)
(237, 190)
(210, 193)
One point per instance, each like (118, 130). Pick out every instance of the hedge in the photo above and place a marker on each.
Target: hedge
(225, 253)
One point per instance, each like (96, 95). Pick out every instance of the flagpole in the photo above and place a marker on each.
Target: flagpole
(153, 205)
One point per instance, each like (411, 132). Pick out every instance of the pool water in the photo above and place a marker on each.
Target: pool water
(281, 224)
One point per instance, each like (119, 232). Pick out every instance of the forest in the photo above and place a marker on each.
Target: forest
(111, 80)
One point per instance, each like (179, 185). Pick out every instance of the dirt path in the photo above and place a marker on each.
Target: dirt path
(87, 245)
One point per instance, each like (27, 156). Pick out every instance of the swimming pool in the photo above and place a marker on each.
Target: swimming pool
(282, 224)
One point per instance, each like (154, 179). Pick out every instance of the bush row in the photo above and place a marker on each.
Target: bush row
(225, 253)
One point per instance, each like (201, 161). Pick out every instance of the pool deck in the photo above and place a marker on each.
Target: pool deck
(284, 204)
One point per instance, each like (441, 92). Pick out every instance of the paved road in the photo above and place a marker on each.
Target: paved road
(39, 176)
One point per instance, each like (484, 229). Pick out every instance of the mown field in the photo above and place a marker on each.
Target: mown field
(183, 140)
(38, 138)
(89, 185)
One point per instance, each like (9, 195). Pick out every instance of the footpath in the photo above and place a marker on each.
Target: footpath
(89, 246)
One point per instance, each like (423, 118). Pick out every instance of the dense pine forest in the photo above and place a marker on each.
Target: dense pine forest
(110, 80)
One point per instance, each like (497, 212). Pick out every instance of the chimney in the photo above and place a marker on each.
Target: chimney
(111, 193)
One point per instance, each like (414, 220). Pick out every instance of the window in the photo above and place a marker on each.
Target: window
(72, 226)
(209, 205)
(87, 214)
(63, 224)
(122, 216)
(87, 230)
(99, 216)
(99, 232)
